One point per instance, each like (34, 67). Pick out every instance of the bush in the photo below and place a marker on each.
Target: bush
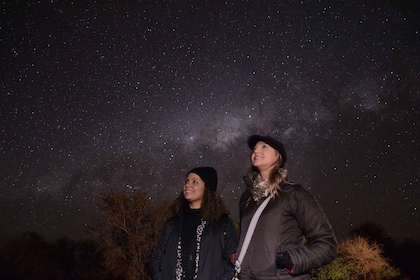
(357, 259)
(127, 234)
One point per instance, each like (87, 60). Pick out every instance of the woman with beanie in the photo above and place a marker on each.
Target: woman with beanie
(198, 240)
(292, 235)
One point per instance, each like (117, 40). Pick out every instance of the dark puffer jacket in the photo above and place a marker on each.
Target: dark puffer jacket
(292, 222)
(218, 242)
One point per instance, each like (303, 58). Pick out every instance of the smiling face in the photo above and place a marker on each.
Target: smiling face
(264, 158)
(193, 190)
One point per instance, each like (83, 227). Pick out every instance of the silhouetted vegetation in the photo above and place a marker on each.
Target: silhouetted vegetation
(120, 245)
(127, 234)
(30, 256)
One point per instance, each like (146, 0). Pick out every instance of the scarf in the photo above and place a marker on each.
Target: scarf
(262, 189)
(180, 274)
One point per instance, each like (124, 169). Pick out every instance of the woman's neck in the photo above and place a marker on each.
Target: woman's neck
(195, 205)
(265, 174)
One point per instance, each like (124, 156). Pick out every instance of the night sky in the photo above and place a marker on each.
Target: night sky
(126, 95)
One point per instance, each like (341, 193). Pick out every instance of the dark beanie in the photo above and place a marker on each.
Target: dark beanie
(208, 175)
(253, 139)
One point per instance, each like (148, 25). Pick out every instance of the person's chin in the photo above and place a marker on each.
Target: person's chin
(188, 197)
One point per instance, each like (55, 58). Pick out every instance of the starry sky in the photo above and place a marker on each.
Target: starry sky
(126, 95)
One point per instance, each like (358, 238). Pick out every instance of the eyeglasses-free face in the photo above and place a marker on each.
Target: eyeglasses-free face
(263, 157)
(194, 190)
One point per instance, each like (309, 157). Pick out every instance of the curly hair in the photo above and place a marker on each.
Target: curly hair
(213, 207)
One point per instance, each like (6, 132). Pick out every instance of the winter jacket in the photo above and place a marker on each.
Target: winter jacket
(293, 222)
(218, 242)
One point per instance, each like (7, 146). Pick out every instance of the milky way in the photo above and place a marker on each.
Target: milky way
(101, 96)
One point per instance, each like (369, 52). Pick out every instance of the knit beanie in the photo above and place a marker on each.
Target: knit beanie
(208, 175)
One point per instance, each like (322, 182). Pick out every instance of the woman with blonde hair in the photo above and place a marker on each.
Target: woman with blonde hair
(292, 235)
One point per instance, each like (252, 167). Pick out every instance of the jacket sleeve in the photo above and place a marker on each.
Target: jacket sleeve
(159, 253)
(321, 246)
(231, 245)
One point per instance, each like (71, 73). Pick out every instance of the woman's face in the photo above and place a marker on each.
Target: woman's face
(194, 190)
(264, 156)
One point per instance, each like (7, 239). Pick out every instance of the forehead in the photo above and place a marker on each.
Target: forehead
(193, 176)
(260, 143)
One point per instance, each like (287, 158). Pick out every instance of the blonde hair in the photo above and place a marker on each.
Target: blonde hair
(276, 178)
